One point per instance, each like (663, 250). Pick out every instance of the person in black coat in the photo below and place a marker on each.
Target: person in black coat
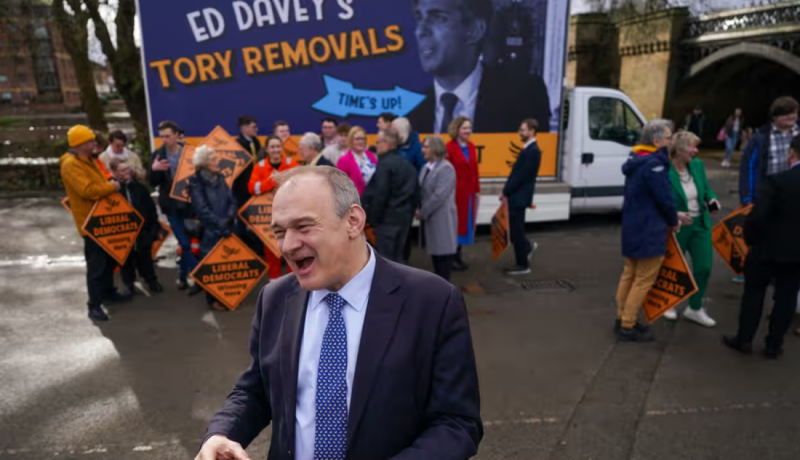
(391, 197)
(213, 203)
(248, 139)
(161, 174)
(518, 195)
(141, 256)
(772, 231)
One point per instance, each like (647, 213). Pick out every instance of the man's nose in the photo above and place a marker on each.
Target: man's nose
(291, 242)
(423, 28)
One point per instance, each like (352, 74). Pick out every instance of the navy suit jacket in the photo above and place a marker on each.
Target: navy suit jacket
(505, 98)
(521, 182)
(415, 390)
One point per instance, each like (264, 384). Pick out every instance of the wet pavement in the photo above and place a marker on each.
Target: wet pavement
(554, 382)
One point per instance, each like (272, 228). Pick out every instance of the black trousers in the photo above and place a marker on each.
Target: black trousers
(99, 272)
(758, 274)
(140, 259)
(391, 241)
(443, 265)
(516, 225)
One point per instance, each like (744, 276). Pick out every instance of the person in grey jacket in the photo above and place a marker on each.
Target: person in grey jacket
(437, 210)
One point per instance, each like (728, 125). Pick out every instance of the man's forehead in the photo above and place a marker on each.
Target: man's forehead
(451, 6)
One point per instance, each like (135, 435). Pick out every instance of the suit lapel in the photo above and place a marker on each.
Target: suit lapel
(676, 185)
(383, 309)
(291, 338)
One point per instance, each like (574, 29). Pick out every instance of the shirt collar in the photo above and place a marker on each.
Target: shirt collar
(315, 160)
(467, 89)
(795, 165)
(528, 144)
(356, 291)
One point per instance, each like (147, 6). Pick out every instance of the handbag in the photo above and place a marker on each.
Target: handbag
(721, 136)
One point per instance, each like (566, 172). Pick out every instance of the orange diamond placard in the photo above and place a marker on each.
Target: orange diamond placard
(501, 238)
(230, 271)
(114, 225)
(257, 214)
(728, 239)
(233, 159)
(674, 284)
(162, 236)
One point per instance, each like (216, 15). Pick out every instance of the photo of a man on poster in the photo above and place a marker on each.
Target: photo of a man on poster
(451, 37)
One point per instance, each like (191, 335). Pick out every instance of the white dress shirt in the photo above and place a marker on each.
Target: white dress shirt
(467, 94)
(356, 294)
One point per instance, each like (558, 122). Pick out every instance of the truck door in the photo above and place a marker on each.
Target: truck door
(612, 127)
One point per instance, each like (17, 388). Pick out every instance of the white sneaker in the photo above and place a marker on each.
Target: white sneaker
(726, 164)
(534, 247)
(671, 314)
(700, 317)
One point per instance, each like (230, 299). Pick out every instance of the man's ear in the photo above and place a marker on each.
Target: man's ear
(356, 221)
(477, 31)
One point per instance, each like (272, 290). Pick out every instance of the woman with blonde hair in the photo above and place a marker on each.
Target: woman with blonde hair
(358, 163)
(463, 155)
(213, 203)
(693, 195)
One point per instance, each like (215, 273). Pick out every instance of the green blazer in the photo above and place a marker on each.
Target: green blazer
(704, 193)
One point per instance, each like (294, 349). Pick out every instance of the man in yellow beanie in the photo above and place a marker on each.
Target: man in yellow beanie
(85, 184)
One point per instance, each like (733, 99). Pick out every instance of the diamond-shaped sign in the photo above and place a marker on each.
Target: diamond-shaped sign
(674, 284)
(728, 239)
(230, 271)
(114, 225)
(257, 214)
(233, 159)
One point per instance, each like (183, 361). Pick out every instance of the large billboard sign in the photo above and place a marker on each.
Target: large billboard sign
(497, 62)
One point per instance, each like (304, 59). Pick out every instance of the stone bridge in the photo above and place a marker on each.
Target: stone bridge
(669, 62)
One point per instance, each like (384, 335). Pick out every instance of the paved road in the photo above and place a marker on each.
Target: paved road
(555, 384)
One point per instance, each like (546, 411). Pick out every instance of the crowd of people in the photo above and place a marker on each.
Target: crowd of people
(667, 190)
(400, 178)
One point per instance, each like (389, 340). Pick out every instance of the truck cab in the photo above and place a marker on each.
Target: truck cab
(600, 126)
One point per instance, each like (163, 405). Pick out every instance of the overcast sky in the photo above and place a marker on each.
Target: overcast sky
(580, 6)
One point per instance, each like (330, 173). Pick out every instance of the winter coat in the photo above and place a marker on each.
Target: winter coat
(467, 182)
(139, 197)
(214, 205)
(412, 151)
(438, 208)
(753, 168)
(349, 165)
(649, 210)
(84, 183)
(261, 180)
(163, 180)
(392, 196)
(241, 184)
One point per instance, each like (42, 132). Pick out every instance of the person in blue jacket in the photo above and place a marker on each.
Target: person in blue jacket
(649, 213)
(214, 205)
(410, 147)
(767, 152)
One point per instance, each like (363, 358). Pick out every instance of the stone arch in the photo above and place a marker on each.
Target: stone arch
(771, 53)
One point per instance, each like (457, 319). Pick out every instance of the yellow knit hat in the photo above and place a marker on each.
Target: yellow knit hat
(79, 135)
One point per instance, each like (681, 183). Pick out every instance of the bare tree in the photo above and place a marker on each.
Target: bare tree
(125, 60)
(75, 35)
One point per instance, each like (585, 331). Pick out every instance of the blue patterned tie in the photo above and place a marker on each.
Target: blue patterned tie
(330, 438)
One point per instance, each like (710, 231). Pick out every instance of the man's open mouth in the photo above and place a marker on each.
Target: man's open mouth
(304, 264)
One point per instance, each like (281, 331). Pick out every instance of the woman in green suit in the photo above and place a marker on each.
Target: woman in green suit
(693, 195)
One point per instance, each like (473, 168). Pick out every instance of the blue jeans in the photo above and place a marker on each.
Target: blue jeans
(730, 145)
(188, 260)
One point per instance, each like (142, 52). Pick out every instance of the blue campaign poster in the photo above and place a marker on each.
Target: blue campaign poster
(207, 62)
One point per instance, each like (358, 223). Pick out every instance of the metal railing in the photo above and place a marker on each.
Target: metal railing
(784, 13)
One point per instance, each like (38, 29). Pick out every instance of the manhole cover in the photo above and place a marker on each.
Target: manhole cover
(559, 284)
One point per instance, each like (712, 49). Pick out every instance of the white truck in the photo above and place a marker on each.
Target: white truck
(598, 128)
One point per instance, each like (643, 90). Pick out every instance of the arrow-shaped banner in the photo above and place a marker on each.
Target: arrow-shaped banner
(343, 100)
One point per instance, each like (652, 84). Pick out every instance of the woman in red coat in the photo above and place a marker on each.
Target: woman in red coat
(464, 157)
